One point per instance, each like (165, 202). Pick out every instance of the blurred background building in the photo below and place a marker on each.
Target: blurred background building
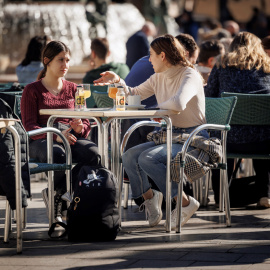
(77, 22)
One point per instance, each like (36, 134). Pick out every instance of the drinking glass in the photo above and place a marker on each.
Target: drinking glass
(87, 93)
(112, 90)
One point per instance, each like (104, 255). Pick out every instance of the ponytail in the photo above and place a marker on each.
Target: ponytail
(42, 74)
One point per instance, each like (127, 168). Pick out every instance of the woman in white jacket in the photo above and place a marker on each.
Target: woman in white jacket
(177, 86)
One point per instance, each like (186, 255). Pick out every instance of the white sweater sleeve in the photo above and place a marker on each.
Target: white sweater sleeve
(145, 90)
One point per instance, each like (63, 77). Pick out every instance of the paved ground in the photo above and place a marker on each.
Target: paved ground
(205, 243)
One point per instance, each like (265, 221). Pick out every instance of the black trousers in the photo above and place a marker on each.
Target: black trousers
(84, 152)
(261, 187)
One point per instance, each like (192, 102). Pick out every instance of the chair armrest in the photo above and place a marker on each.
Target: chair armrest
(57, 132)
(132, 128)
(196, 131)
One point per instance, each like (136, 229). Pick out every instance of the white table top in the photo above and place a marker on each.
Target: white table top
(6, 122)
(104, 112)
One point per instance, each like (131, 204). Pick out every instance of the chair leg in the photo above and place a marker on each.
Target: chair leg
(7, 222)
(24, 221)
(195, 190)
(126, 189)
(179, 202)
(221, 191)
(225, 185)
(206, 189)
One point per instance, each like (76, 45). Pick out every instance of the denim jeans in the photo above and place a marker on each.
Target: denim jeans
(148, 159)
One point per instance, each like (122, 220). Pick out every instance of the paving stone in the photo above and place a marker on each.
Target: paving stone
(219, 266)
(159, 264)
(255, 258)
(204, 243)
(217, 257)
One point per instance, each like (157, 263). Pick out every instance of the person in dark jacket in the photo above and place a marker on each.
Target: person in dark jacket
(245, 69)
(138, 45)
(7, 157)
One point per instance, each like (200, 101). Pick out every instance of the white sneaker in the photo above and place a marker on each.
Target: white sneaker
(153, 208)
(187, 213)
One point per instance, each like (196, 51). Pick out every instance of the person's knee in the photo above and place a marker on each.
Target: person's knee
(128, 157)
(145, 160)
(59, 155)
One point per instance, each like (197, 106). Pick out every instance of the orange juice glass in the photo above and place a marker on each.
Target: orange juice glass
(112, 90)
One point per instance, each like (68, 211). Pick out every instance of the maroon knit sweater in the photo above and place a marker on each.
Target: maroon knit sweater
(35, 97)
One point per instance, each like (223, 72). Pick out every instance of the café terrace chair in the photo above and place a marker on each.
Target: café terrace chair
(37, 167)
(102, 99)
(218, 115)
(251, 110)
(90, 102)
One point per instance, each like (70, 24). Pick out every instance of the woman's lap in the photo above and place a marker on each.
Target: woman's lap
(152, 160)
(83, 152)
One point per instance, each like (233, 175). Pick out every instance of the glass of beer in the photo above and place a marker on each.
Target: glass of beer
(87, 93)
(112, 90)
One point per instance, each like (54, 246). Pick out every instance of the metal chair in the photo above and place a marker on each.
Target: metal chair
(218, 115)
(90, 102)
(41, 167)
(251, 110)
(49, 167)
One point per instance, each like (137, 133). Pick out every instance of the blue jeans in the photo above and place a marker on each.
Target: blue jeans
(148, 159)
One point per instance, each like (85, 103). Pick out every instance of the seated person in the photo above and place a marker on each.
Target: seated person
(190, 45)
(51, 91)
(209, 50)
(184, 93)
(137, 45)
(245, 69)
(99, 61)
(28, 70)
(138, 74)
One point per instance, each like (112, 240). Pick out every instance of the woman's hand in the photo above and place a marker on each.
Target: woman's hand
(107, 77)
(76, 125)
(70, 137)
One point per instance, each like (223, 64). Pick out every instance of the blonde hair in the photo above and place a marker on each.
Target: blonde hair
(246, 52)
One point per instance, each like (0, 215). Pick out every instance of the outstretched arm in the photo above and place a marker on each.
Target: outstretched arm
(107, 77)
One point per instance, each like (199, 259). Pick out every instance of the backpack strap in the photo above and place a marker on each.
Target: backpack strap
(52, 229)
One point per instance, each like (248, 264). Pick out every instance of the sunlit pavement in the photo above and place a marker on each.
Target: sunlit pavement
(204, 243)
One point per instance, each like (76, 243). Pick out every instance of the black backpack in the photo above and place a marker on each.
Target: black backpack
(93, 213)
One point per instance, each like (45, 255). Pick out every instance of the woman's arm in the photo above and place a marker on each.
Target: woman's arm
(145, 89)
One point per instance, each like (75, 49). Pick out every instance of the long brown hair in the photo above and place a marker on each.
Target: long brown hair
(246, 52)
(52, 49)
(174, 51)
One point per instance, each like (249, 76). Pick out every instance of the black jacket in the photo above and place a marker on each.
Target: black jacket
(7, 156)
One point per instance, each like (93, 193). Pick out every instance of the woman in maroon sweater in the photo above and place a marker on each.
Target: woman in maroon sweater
(51, 91)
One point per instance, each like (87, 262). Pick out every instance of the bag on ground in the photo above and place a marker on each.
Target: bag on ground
(93, 213)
